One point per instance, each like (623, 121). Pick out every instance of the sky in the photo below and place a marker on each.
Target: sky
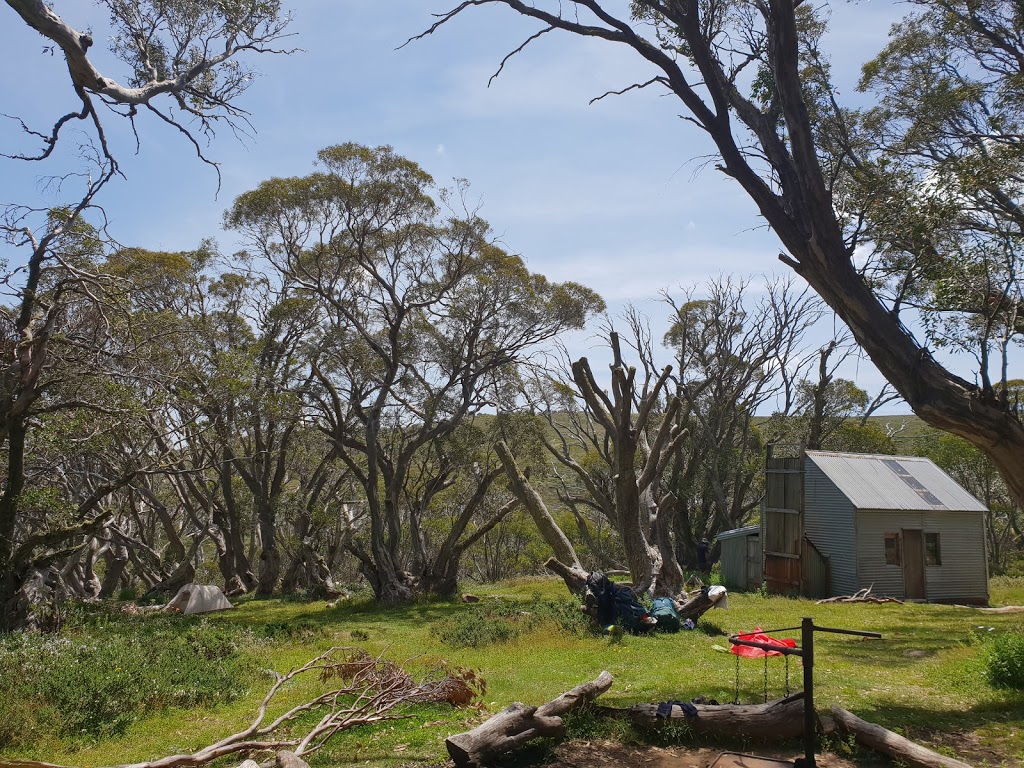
(614, 195)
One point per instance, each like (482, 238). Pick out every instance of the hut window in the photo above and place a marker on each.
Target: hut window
(892, 549)
(932, 552)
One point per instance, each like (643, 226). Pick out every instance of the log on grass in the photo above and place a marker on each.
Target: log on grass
(1003, 609)
(897, 747)
(286, 759)
(518, 724)
(696, 606)
(780, 719)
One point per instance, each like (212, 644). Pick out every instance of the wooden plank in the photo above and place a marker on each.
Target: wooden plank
(783, 510)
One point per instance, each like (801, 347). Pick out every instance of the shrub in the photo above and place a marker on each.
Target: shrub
(501, 621)
(86, 686)
(473, 629)
(1004, 662)
(300, 629)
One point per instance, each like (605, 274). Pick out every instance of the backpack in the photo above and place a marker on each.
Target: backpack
(665, 612)
(629, 611)
(601, 587)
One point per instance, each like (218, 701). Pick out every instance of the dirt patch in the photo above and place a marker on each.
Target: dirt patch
(608, 754)
(964, 745)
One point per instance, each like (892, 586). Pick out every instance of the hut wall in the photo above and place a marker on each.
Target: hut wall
(830, 524)
(962, 575)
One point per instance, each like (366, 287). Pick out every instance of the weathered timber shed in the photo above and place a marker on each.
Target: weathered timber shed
(835, 523)
(740, 557)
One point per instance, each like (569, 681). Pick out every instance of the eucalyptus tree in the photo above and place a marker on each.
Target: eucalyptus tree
(753, 76)
(423, 321)
(945, 139)
(84, 434)
(183, 64)
(176, 55)
(733, 354)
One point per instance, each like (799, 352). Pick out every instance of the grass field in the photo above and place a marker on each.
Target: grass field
(925, 678)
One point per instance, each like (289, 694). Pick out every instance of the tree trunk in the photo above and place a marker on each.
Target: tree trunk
(117, 561)
(518, 724)
(781, 719)
(549, 530)
(10, 574)
(669, 580)
(902, 750)
(270, 570)
(270, 555)
(318, 578)
(575, 578)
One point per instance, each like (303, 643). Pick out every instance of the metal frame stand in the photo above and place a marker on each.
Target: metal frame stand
(806, 652)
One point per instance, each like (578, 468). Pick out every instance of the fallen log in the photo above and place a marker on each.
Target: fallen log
(1003, 609)
(897, 747)
(780, 719)
(517, 724)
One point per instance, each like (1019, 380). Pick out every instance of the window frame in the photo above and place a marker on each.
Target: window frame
(932, 560)
(897, 550)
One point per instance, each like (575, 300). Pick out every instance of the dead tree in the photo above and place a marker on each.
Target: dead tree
(635, 437)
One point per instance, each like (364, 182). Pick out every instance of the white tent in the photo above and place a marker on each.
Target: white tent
(195, 598)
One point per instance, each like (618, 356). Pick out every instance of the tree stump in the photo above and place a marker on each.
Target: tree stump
(696, 606)
(517, 724)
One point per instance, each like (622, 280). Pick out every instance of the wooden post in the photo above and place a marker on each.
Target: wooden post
(810, 718)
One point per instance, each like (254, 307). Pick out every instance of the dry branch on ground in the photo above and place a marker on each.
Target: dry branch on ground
(360, 690)
(862, 596)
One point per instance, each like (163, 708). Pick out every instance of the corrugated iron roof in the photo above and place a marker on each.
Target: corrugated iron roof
(873, 481)
(750, 530)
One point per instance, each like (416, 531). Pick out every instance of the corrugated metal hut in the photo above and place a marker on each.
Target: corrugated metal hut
(740, 557)
(897, 524)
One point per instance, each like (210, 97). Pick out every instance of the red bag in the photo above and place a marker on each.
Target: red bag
(758, 636)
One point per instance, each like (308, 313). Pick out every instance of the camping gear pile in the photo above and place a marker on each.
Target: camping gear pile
(617, 608)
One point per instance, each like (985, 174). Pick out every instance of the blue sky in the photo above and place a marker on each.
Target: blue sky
(609, 194)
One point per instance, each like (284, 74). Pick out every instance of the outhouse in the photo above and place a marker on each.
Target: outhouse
(835, 523)
(740, 557)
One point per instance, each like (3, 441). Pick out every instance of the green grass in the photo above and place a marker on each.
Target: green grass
(926, 676)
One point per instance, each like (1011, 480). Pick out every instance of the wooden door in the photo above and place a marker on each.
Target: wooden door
(913, 564)
(753, 562)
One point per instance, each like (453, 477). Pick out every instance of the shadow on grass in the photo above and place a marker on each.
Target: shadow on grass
(924, 722)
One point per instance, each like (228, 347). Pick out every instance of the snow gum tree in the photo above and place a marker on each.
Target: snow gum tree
(425, 321)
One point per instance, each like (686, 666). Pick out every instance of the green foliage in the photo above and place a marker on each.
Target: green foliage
(300, 629)
(95, 685)
(1004, 661)
(501, 621)
(876, 679)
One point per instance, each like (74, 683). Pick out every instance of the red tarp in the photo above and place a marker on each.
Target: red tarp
(757, 636)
